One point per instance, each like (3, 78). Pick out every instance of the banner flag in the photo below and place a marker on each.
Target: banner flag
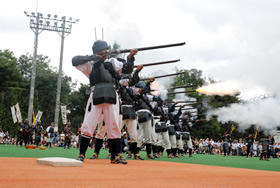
(38, 116)
(13, 110)
(33, 114)
(257, 131)
(18, 114)
(64, 114)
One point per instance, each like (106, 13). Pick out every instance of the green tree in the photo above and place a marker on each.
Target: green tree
(207, 129)
(45, 86)
(10, 93)
(9, 73)
(15, 75)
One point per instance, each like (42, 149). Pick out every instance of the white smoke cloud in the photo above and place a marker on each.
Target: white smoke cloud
(161, 84)
(263, 112)
(182, 96)
(160, 89)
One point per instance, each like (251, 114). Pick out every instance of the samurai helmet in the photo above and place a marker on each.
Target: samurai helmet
(99, 45)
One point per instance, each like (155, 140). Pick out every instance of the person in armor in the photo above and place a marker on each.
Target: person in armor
(250, 140)
(144, 116)
(103, 75)
(19, 134)
(156, 147)
(50, 134)
(128, 111)
(67, 132)
(265, 149)
(174, 117)
(26, 131)
(270, 147)
(38, 132)
(226, 141)
(161, 122)
(31, 135)
(128, 103)
(185, 135)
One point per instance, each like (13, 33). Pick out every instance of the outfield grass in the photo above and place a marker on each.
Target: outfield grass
(214, 160)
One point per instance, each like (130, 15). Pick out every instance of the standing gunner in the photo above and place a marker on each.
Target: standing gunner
(103, 75)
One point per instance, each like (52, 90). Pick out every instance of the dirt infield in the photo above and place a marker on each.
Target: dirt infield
(24, 172)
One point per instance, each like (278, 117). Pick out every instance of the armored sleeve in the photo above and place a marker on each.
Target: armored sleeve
(79, 60)
(172, 108)
(146, 88)
(135, 78)
(128, 66)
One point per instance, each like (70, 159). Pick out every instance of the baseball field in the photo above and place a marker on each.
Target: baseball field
(19, 169)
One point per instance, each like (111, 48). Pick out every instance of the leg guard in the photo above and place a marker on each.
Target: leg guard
(98, 145)
(114, 146)
(148, 149)
(84, 145)
(190, 152)
(154, 149)
(133, 148)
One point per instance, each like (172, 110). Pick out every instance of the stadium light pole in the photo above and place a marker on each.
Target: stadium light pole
(63, 27)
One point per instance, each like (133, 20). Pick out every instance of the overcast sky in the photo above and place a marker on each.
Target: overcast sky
(229, 40)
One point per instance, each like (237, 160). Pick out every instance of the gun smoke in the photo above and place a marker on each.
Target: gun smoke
(262, 112)
(161, 84)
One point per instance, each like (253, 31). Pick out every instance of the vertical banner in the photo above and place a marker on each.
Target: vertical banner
(14, 114)
(18, 114)
(33, 115)
(232, 129)
(38, 116)
(63, 114)
(257, 131)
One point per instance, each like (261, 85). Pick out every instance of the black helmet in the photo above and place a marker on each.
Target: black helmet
(140, 84)
(99, 45)
(158, 100)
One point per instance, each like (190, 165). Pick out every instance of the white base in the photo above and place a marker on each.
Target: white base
(59, 161)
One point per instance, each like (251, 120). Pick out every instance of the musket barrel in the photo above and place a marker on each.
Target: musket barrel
(190, 91)
(188, 108)
(166, 75)
(182, 102)
(153, 90)
(198, 120)
(181, 87)
(189, 104)
(158, 63)
(152, 47)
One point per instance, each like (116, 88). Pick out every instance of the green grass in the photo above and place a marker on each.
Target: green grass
(213, 160)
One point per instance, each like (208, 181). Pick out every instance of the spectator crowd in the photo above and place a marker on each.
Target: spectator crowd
(67, 138)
